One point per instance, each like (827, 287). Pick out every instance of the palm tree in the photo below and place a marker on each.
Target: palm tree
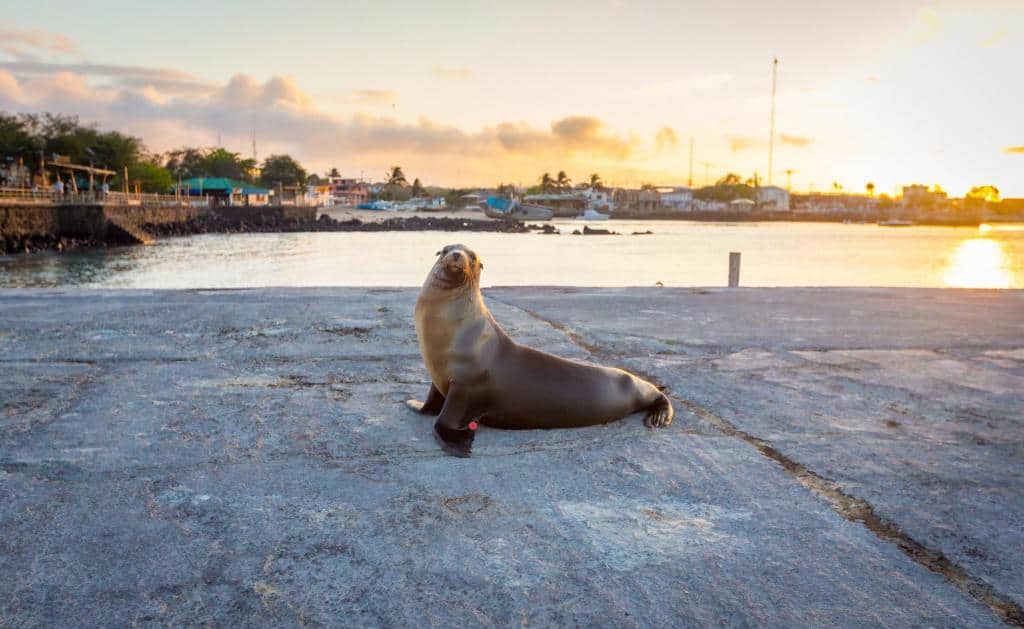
(595, 181)
(417, 187)
(396, 177)
(563, 182)
(546, 182)
(870, 187)
(334, 173)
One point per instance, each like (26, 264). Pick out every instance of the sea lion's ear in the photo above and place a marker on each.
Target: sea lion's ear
(438, 253)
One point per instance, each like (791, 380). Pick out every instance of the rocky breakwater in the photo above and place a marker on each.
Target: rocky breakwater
(216, 224)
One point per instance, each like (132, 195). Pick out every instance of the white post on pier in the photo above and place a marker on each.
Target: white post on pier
(734, 269)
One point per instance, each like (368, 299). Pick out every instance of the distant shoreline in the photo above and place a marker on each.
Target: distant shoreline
(347, 220)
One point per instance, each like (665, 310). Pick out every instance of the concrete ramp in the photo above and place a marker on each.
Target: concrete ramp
(125, 231)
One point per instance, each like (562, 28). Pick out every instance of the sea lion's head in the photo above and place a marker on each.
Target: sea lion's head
(457, 267)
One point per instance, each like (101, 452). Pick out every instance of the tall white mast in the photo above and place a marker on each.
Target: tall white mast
(771, 126)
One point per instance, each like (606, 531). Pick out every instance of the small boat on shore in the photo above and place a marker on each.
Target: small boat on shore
(593, 215)
(376, 205)
(513, 209)
(895, 222)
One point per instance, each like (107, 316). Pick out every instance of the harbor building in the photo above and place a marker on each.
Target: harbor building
(351, 192)
(773, 198)
(676, 197)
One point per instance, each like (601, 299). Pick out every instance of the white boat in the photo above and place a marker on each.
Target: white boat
(593, 215)
(499, 207)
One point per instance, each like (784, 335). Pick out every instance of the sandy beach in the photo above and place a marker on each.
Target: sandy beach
(343, 213)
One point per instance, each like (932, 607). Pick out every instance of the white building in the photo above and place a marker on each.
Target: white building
(676, 198)
(741, 205)
(599, 199)
(318, 195)
(773, 198)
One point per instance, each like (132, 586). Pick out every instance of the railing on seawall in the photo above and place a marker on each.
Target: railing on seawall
(22, 196)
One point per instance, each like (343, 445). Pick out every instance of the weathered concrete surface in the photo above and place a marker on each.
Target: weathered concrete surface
(244, 457)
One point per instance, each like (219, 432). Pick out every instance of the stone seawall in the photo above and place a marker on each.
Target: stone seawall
(257, 215)
(31, 227)
(83, 221)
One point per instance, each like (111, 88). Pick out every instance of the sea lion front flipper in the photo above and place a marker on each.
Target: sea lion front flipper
(433, 404)
(454, 429)
(659, 414)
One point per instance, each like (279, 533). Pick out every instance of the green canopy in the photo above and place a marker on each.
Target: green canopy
(218, 185)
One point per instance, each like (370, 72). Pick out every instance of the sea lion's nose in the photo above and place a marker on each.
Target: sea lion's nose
(456, 255)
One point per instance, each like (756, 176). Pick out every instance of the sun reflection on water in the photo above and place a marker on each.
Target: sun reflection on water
(978, 263)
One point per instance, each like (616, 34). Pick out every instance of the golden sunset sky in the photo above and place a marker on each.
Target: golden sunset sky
(892, 92)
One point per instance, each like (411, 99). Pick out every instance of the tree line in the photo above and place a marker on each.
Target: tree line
(35, 137)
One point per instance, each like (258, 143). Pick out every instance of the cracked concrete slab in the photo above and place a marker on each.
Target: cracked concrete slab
(926, 430)
(244, 457)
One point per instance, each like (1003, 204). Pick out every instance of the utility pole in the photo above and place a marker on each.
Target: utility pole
(690, 182)
(771, 126)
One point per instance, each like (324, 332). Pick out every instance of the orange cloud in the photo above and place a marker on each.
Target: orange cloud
(741, 143)
(24, 43)
(458, 74)
(1014, 150)
(285, 119)
(794, 140)
(666, 139)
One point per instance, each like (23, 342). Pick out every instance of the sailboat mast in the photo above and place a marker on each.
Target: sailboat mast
(771, 125)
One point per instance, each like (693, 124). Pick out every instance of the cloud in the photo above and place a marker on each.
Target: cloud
(993, 39)
(285, 118)
(696, 83)
(794, 140)
(372, 97)
(10, 89)
(124, 75)
(927, 26)
(666, 139)
(26, 43)
(742, 143)
(453, 73)
(1012, 150)
(246, 93)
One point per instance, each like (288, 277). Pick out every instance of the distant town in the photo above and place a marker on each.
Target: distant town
(47, 154)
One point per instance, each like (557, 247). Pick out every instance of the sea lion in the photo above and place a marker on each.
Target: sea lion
(479, 374)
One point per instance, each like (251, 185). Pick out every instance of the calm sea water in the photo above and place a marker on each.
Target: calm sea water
(677, 254)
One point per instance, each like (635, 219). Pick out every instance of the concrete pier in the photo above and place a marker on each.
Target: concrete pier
(849, 457)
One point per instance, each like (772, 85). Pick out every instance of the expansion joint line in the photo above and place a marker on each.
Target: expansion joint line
(849, 507)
